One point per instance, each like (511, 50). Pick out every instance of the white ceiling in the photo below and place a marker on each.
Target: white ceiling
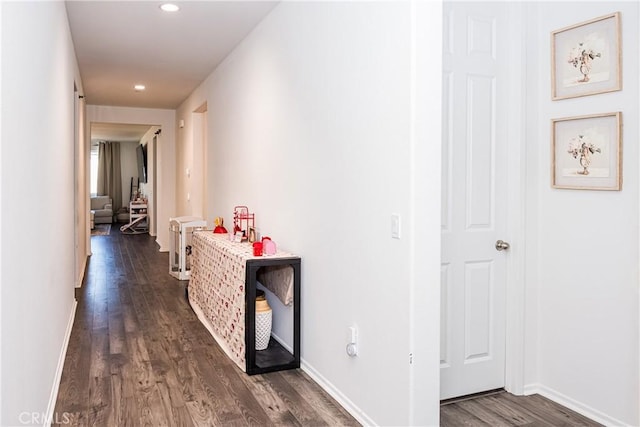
(122, 43)
(117, 132)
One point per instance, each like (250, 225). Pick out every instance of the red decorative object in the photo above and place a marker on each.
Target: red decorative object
(243, 220)
(219, 222)
(257, 249)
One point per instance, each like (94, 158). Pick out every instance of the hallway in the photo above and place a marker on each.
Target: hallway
(138, 355)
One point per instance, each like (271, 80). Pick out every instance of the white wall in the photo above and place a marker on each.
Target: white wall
(584, 271)
(310, 124)
(147, 187)
(337, 124)
(310, 128)
(37, 172)
(165, 154)
(128, 168)
(185, 185)
(1, 222)
(82, 171)
(191, 157)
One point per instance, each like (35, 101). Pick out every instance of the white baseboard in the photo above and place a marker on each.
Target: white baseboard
(333, 391)
(63, 354)
(83, 270)
(572, 404)
(530, 389)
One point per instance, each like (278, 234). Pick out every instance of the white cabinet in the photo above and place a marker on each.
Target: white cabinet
(138, 219)
(181, 231)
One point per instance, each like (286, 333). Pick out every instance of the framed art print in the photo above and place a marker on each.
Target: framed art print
(586, 58)
(587, 152)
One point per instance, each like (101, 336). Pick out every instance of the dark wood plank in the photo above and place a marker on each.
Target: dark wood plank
(74, 383)
(493, 414)
(513, 414)
(455, 416)
(207, 387)
(325, 405)
(269, 399)
(300, 408)
(505, 409)
(138, 355)
(549, 412)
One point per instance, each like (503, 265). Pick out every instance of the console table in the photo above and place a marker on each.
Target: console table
(223, 282)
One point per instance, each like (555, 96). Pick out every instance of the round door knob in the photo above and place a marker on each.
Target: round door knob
(501, 245)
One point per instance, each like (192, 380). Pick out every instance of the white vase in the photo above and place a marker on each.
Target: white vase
(263, 323)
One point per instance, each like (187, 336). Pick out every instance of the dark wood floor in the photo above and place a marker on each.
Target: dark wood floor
(503, 409)
(139, 356)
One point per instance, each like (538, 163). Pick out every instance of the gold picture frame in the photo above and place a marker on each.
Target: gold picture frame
(587, 152)
(586, 58)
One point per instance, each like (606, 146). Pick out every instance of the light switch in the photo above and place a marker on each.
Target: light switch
(395, 226)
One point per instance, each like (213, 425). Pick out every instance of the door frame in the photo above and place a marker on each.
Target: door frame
(516, 206)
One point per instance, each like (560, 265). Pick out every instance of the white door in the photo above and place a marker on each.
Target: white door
(475, 102)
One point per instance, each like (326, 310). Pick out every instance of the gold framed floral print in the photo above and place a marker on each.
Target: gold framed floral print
(587, 152)
(586, 58)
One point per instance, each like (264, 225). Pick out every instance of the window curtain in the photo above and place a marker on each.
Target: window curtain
(109, 176)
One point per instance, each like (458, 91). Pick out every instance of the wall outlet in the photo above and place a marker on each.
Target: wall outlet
(395, 226)
(352, 341)
(353, 334)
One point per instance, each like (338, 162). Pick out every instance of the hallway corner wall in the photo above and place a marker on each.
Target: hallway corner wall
(584, 273)
(311, 128)
(38, 198)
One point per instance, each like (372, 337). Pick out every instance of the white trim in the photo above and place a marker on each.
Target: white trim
(516, 197)
(61, 358)
(572, 404)
(530, 389)
(82, 272)
(638, 329)
(413, 315)
(88, 230)
(334, 392)
(424, 222)
(1, 216)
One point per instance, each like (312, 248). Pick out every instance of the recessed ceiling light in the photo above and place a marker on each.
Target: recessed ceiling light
(139, 88)
(169, 7)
